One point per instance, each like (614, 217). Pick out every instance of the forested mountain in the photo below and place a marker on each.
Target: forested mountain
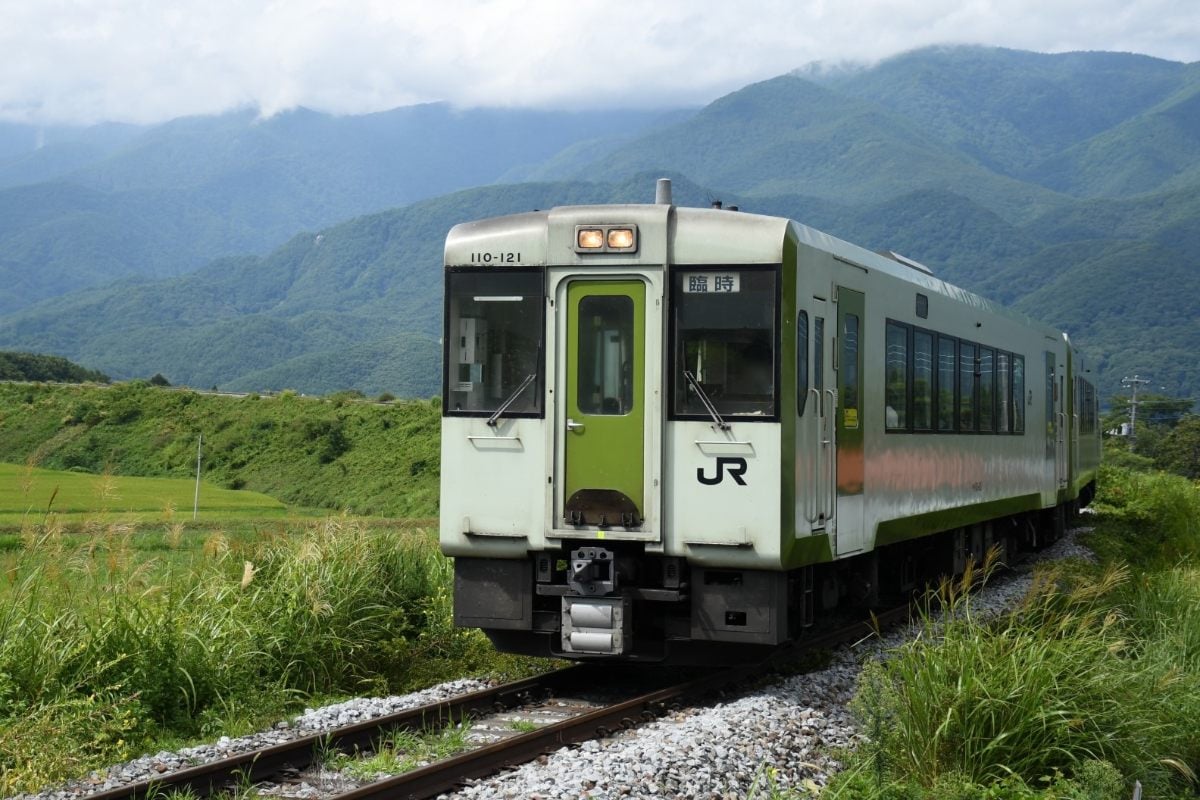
(1067, 186)
(50, 369)
(82, 208)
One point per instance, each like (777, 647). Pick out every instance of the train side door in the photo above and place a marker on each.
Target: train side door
(848, 421)
(1055, 422)
(816, 479)
(604, 444)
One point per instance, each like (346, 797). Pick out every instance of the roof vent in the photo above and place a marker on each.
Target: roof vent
(716, 204)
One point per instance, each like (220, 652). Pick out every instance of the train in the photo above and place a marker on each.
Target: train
(686, 435)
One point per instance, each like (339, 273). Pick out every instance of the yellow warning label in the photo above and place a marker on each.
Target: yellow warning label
(850, 417)
(599, 534)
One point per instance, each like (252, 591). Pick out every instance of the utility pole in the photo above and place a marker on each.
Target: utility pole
(196, 499)
(1133, 382)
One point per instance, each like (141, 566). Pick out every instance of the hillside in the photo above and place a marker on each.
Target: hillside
(336, 453)
(51, 369)
(84, 207)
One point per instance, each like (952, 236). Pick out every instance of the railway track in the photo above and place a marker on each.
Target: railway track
(580, 720)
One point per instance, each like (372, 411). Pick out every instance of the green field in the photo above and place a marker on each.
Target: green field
(29, 494)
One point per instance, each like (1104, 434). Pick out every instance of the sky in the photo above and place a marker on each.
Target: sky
(145, 61)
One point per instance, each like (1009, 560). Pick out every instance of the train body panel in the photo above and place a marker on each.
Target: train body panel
(672, 430)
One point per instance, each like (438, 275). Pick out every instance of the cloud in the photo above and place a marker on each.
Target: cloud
(92, 60)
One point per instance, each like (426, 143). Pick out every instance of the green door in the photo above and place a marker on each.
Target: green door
(604, 449)
(849, 422)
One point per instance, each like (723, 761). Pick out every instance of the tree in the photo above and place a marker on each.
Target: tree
(159, 380)
(1179, 449)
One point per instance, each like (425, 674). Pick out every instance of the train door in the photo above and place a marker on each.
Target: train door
(604, 444)
(1055, 422)
(848, 421)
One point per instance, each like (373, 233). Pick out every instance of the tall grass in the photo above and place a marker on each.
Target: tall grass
(1090, 683)
(103, 653)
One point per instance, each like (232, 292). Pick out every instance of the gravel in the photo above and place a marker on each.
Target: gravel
(787, 732)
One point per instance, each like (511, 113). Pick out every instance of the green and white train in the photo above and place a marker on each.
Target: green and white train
(681, 434)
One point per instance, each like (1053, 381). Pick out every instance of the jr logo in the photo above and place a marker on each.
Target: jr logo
(736, 468)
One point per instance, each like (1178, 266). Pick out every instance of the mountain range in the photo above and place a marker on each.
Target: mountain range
(1067, 186)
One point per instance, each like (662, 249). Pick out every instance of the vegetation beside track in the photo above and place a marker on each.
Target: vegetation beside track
(1091, 683)
(338, 452)
(130, 639)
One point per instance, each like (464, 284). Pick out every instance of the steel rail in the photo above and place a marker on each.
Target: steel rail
(210, 778)
(206, 779)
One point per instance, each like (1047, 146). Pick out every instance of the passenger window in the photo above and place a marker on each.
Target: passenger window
(896, 378)
(1003, 394)
(922, 381)
(986, 384)
(1018, 382)
(819, 358)
(947, 364)
(801, 362)
(966, 388)
(606, 355)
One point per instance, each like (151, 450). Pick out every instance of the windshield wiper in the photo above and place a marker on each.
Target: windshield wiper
(708, 404)
(511, 398)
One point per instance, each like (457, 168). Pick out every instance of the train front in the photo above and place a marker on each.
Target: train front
(611, 437)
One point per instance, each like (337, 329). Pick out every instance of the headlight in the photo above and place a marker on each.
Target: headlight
(620, 238)
(590, 238)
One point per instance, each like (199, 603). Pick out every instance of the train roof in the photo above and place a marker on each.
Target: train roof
(697, 236)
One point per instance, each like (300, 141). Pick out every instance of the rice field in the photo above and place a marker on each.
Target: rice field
(32, 495)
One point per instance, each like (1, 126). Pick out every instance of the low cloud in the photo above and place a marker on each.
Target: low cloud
(95, 60)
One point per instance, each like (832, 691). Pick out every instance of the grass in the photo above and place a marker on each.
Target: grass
(335, 453)
(1091, 683)
(404, 751)
(28, 493)
(107, 651)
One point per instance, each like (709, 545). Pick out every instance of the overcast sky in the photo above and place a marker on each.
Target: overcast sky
(91, 60)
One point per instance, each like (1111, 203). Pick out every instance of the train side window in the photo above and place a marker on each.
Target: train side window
(895, 380)
(987, 398)
(922, 381)
(819, 359)
(848, 365)
(966, 388)
(946, 373)
(801, 362)
(1018, 390)
(1003, 393)
(606, 355)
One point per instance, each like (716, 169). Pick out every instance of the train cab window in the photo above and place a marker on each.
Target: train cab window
(1018, 391)
(966, 388)
(493, 342)
(946, 379)
(724, 337)
(1003, 393)
(896, 378)
(801, 362)
(987, 399)
(606, 355)
(922, 381)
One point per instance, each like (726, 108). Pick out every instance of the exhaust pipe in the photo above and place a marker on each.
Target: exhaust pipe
(662, 192)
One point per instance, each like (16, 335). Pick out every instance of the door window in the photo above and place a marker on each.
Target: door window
(606, 355)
